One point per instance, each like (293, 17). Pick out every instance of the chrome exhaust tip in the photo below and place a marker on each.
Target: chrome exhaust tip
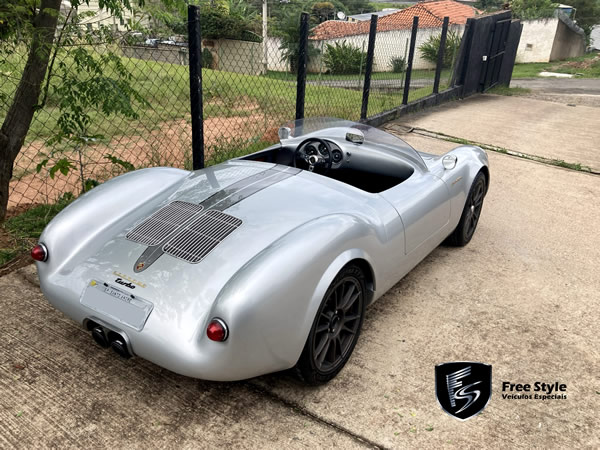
(118, 344)
(100, 337)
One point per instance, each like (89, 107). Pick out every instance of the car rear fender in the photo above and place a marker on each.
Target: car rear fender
(271, 302)
(83, 227)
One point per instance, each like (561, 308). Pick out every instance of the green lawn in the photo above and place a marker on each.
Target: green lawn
(586, 66)
(26, 228)
(226, 94)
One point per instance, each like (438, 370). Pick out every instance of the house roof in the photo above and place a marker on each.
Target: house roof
(367, 16)
(430, 13)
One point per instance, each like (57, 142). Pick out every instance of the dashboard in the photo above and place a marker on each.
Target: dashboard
(317, 148)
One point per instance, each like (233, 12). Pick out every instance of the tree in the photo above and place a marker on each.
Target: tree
(429, 49)
(33, 22)
(587, 15)
(289, 31)
(323, 11)
(532, 9)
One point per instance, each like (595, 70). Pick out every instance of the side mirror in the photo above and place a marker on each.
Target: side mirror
(284, 133)
(449, 162)
(356, 137)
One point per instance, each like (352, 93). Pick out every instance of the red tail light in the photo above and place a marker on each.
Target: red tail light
(217, 330)
(39, 253)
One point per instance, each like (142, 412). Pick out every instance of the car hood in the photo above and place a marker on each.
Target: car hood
(267, 211)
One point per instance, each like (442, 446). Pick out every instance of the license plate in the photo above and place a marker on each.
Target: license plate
(124, 307)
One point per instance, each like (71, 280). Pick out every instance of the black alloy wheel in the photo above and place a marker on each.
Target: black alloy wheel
(469, 219)
(336, 327)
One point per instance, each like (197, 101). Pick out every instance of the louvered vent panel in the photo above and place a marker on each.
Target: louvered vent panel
(196, 240)
(163, 222)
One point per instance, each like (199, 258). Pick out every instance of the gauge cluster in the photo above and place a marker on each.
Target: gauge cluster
(315, 148)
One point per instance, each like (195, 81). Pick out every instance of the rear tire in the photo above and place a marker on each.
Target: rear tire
(336, 328)
(469, 219)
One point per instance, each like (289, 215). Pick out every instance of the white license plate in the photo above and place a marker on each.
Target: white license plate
(124, 307)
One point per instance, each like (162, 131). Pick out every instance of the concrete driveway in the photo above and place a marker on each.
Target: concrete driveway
(535, 127)
(522, 296)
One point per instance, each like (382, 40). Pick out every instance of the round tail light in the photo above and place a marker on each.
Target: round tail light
(217, 330)
(39, 253)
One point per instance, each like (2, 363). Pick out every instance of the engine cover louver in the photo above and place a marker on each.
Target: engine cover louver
(196, 239)
(156, 228)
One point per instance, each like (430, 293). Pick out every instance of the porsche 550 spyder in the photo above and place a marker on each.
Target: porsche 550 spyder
(265, 262)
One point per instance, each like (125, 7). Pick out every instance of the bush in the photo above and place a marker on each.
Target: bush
(207, 59)
(398, 64)
(342, 58)
(429, 49)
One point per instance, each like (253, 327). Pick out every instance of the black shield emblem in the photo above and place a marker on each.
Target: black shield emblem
(463, 389)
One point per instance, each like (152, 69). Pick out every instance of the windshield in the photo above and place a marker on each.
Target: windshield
(304, 128)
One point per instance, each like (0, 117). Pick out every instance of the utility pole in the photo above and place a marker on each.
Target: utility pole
(264, 37)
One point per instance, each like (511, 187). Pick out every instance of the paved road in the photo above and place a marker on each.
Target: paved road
(521, 124)
(582, 86)
(522, 297)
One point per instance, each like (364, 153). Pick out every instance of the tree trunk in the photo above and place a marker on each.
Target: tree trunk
(19, 116)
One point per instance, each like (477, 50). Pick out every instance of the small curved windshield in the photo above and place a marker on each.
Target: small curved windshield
(337, 128)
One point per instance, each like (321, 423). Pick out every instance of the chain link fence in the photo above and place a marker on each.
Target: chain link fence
(249, 90)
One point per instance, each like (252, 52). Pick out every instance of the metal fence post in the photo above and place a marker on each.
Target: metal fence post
(302, 62)
(195, 60)
(440, 56)
(369, 68)
(411, 55)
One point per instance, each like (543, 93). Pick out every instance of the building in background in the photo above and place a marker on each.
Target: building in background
(393, 32)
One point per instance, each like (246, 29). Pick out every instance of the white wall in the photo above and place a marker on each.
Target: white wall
(274, 55)
(103, 17)
(536, 41)
(388, 44)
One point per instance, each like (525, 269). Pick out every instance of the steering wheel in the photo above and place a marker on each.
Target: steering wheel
(313, 155)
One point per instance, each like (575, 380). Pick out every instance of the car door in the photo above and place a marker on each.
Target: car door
(423, 203)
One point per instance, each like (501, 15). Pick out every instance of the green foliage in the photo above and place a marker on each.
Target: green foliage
(229, 20)
(323, 11)
(289, 31)
(429, 49)
(343, 58)
(532, 9)
(398, 64)
(32, 222)
(490, 5)
(207, 58)
(587, 15)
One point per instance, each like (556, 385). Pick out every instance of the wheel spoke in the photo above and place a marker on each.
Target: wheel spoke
(321, 347)
(348, 296)
(338, 341)
(351, 301)
(322, 327)
(351, 317)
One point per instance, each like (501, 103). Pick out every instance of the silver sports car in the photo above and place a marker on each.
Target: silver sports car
(262, 263)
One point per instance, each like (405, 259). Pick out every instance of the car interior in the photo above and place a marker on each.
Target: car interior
(364, 167)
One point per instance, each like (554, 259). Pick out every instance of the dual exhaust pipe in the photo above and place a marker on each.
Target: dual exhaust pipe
(107, 338)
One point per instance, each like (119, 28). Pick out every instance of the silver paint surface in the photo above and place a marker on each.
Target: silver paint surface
(267, 279)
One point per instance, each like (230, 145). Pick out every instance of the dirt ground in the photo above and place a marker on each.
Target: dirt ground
(168, 145)
(523, 296)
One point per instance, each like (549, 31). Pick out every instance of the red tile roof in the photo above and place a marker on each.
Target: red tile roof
(430, 13)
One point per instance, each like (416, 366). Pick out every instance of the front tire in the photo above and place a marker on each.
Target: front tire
(336, 327)
(469, 219)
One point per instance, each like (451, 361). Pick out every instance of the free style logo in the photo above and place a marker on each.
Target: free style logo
(463, 389)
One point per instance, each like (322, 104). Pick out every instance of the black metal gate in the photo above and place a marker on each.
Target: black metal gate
(490, 73)
(488, 51)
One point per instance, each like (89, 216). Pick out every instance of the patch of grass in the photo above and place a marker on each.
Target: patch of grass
(587, 66)
(26, 228)
(509, 91)
(8, 254)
